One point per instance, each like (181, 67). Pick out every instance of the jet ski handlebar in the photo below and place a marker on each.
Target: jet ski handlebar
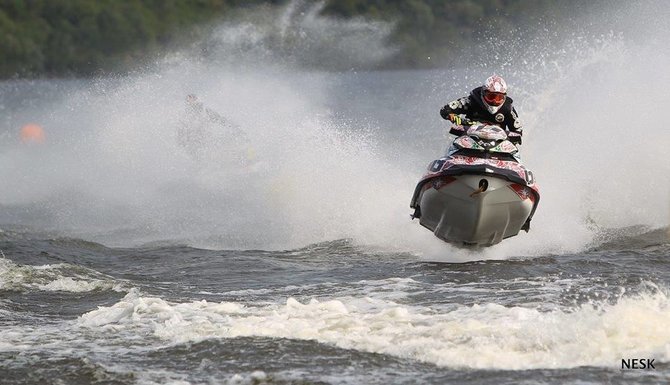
(462, 128)
(466, 124)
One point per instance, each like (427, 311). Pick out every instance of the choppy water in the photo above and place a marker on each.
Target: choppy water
(79, 312)
(128, 261)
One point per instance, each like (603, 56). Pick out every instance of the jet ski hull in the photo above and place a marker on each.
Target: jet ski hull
(479, 193)
(477, 210)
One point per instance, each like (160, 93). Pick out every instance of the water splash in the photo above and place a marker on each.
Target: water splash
(111, 170)
(299, 35)
(587, 91)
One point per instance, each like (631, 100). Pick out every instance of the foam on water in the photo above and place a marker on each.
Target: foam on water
(58, 277)
(486, 336)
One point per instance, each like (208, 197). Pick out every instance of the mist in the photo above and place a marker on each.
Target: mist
(337, 154)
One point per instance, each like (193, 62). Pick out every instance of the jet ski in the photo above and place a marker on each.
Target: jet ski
(479, 193)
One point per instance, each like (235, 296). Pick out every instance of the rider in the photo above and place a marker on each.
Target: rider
(201, 129)
(488, 103)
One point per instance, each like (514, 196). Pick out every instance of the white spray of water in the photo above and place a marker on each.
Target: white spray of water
(599, 143)
(590, 93)
(301, 36)
(112, 170)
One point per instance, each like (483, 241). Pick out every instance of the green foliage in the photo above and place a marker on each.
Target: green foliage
(80, 37)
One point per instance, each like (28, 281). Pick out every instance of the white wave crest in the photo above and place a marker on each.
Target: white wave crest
(486, 336)
(56, 277)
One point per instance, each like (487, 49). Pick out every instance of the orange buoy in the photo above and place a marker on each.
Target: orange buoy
(32, 133)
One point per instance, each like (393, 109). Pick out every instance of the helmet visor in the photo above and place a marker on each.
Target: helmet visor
(494, 98)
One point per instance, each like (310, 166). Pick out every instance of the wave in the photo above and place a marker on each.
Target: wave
(485, 336)
(55, 277)
(635, 238)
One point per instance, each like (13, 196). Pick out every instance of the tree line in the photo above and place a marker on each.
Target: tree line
(83, 37)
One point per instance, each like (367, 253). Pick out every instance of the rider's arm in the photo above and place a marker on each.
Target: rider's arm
(514, 127)
(455, 108)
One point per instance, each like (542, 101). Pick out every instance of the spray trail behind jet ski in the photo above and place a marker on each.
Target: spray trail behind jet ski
(342, 152)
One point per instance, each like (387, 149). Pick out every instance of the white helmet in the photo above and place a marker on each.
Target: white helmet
(494, 93)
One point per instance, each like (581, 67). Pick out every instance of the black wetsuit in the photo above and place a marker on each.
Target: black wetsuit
(473, 107)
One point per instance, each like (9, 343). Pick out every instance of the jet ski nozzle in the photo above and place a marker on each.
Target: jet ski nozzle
(483, 185)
